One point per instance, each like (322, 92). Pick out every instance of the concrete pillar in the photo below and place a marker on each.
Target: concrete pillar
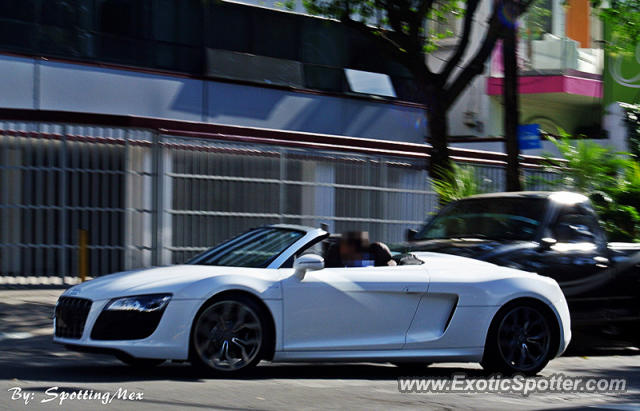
(138, 197)
(558, 18)
(318, 200)
(10, 195)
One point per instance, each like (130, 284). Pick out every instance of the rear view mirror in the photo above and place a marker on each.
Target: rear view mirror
(411, 234)
(307, 262)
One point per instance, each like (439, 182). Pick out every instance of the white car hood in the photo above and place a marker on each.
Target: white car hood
(154, 280)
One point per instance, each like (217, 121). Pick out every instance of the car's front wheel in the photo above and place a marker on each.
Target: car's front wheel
(520, 340)
(229, 335)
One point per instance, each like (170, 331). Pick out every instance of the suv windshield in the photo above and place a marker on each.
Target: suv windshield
(496, 218)
(256, 248)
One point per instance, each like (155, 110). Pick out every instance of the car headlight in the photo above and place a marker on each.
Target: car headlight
(140, 303)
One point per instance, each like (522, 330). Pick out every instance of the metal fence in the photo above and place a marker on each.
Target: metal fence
(149, 198)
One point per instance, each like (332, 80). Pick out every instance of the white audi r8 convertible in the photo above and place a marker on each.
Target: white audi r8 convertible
(266, 295)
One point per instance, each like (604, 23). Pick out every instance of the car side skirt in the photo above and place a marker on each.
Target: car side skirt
(467, 354)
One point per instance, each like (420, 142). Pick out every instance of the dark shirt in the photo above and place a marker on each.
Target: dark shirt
(378, 252)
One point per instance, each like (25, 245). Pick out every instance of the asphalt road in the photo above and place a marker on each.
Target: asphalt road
(30, 364)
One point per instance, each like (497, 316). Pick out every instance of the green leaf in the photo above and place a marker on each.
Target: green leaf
(456, 182)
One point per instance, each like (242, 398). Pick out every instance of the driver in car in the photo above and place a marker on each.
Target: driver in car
(354, 250)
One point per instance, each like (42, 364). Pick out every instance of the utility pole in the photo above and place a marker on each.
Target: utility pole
(510, 98)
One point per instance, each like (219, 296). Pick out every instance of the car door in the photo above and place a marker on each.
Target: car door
(356, 308)
(580, 253)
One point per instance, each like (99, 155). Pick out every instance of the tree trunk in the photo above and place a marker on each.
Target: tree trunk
(438, 134)
(511, 110)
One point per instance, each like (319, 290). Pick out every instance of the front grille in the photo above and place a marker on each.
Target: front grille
(71, 314)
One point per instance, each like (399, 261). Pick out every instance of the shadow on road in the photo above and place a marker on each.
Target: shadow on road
(25, 317)
(41, 360)
(27, 364)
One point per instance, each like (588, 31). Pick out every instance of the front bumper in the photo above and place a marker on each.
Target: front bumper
(170, 340)
(564, 324)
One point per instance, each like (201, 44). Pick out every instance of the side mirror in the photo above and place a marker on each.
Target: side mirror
(307, 262)
(411, 234)
(546, 243)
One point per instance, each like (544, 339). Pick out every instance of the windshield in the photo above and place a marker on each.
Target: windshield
(498, 219)
(256, 248)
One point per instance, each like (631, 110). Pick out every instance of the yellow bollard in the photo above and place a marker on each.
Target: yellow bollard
(83, 261)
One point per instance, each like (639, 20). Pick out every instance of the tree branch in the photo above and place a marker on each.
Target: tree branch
(477, 64)
(417, 19)
(385, 42)
(472, 6)
(424, 7)
(415, 63)
(395, 20)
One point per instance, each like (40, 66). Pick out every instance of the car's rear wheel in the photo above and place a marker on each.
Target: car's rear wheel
(520, 340)
(229, 335)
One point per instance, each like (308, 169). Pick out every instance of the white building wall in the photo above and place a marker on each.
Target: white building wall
(17, 85)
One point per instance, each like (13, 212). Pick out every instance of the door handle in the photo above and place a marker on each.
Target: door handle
(413, 289)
